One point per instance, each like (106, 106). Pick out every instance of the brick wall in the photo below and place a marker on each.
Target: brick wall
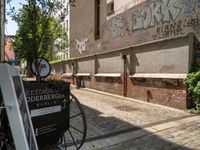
(168, 92)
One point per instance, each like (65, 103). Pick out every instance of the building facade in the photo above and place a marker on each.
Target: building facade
(128, 23)
(9, 51)
(141, 49)
(65, 24)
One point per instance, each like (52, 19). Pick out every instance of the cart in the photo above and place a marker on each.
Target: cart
(58, 119)
(70, 131)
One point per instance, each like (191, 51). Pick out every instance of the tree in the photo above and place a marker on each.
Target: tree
(38, 30)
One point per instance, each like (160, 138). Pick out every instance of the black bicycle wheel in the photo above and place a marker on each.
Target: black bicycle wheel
(75, 136)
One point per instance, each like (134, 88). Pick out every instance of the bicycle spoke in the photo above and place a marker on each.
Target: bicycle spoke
(65, 143)
(73, 139)
(71, 99)
(76, 129)
(75, 116)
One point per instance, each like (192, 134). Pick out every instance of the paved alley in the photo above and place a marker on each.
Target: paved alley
(118, 123)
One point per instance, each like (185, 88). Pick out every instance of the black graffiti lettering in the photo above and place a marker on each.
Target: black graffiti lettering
(166, 31)
(158, 30)
(169, 30)
(179, 23)
(194, 23)
(172, 26)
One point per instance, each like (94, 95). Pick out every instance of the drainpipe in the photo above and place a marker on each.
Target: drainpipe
(64, 67)
(124, 57)
(73, 73)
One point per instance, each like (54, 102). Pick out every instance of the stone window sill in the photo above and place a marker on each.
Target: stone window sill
(114, 75)
(158, 75)
(82, 74)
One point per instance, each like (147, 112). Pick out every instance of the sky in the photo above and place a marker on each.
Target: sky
(11, 26)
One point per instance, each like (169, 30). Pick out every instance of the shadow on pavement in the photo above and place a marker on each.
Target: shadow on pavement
(107, 128)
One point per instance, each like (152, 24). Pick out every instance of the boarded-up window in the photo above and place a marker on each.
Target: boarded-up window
(110, 8)
(97, 19)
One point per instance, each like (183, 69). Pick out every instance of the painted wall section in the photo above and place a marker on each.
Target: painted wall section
(110, 63)
(85, 66)
(164, 57)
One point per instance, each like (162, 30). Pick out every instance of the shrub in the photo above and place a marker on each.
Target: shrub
(193, 84)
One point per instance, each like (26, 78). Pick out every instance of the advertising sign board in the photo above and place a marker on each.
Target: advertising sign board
(17, 108)
(49, 109)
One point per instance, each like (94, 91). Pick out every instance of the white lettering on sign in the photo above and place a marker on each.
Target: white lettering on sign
(158, 11)
(42, 91)
(45, 111)
(44, 97)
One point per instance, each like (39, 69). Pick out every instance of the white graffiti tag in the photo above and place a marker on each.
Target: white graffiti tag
(118, 26)
(81, 44)
(159, 11)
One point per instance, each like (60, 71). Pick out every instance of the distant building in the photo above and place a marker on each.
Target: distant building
(65, 24)
(2, 27)
(9, 51)
(141, 49)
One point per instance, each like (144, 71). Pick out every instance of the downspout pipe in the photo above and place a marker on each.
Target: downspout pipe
(73, 72)
(124, 57)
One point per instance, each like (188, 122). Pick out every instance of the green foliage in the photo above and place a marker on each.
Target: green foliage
(37, 34)
(193, 84)
(60, 60)
(193, 111)
(56, 61)
(39, 30)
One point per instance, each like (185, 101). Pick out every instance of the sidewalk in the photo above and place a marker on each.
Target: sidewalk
(118, 123)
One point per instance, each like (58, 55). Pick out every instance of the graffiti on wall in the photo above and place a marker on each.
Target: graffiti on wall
(194, 23)
(155, 13)
(191, 8)
(81, 44)
(119, 26)
(162, 18)
(196, 54)
(177, 28)
(169, 30)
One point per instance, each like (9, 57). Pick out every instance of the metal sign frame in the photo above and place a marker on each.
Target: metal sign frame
(11, 101)
(44, 67)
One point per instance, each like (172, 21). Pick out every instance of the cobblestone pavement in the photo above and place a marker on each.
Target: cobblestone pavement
(177, 135)
(118, 123)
